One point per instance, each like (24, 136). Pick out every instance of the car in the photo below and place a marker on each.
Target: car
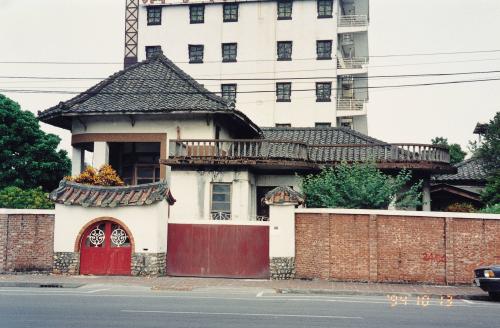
(488, 279)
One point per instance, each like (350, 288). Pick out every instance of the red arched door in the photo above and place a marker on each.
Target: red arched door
(105, 250)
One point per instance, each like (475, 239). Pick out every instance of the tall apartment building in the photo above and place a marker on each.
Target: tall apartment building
(284, 63)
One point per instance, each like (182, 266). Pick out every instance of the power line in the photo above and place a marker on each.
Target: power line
(241, 92)
(437, 53)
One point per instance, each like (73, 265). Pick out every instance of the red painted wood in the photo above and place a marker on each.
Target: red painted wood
(106, 260)
(231, 251)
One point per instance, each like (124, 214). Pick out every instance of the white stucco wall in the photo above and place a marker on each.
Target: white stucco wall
(268, 180)
(148, 225)
(256, 33)
(281, 231)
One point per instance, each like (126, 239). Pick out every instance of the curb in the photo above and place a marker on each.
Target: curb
(366, 293)
(39, 285)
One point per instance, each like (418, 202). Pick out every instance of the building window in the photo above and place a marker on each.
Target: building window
(230, 12)
(284, 49)
(229, 52)
(285, 9)
(283, 125)
(220, 208)
(324, 49)
(325, 8)
(283, 92)
(154, 15)
(228, 92)
(195, 53)
(152, 51)
(323, 91)
(197, 14)
(346, 123)
(322, 125)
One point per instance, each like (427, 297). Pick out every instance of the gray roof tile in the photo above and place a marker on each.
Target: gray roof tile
(469, 170)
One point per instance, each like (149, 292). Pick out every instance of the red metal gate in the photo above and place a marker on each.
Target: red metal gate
(216, 250)
(105, 250)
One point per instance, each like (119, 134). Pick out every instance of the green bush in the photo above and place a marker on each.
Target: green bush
(14, 197)
(359, 186)
(494, 209)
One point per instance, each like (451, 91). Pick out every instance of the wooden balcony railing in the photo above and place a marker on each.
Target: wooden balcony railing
(260, 149)
(353, 20)
(238, 149)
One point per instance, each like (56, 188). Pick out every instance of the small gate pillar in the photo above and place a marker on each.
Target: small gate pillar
(282, 202)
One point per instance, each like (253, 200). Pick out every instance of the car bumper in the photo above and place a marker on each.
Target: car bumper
(488, 284)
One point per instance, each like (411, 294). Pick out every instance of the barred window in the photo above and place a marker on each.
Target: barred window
(152, 51)
(283, 91)
(154, 15)
(325, 8)
(285, 8)
(229, 52)
(220, 208)
(323, 91)
(195, 53)
(324, 49)
(197, 14)
(230, 12)
(284, 49)
(228, 92)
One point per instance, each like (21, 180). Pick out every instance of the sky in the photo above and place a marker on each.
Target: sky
(93, 31)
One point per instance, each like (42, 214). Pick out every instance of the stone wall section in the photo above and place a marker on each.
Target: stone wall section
(149, 264)
(66, 263)
(26, 242)
(391, 248)
(282, 268)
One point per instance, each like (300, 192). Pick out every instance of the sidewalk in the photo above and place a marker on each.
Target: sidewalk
(281, 286)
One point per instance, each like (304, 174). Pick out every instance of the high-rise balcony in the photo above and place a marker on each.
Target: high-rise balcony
(351, 66)
(352, 23)
(351, 107)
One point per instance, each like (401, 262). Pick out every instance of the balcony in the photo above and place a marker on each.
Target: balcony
(351, 107)
(350, 66)
(352, 23)
(284, 155)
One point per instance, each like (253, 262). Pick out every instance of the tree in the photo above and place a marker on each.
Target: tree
(14, 197)
(359, 186)
(28, 156)
(457, 155)
(489, 153)
(105, 176)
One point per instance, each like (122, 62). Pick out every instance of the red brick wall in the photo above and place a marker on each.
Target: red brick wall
(394, 248)
(26, 242)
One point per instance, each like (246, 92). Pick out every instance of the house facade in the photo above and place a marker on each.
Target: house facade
(197, 171)
(273, 58)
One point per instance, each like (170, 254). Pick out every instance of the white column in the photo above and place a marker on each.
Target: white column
(426, 195)
(77, 158)
(282, 230)
(101, 154)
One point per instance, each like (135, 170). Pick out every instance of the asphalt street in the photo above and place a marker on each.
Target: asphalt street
(125, 306)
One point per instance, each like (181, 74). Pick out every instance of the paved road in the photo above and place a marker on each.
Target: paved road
(124, 306)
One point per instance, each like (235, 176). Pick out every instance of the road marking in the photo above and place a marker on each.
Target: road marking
(260, 294)
(246, 314)
(468, 302)
(96, 290)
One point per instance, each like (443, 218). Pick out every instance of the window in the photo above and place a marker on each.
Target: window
(229, 52)
(323, 125)
(230, 12)
(221, 201)
(154, 15)
(325, 8)
(323, 91)
(346, 123)
(285, 9)
(324, 49)
(283, 91)
(152, 51)
(197, 14)
(284, 50)
(195, 53)
(283, 125)
(228, 92)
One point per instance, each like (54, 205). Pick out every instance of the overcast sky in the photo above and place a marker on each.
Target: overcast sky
(92, 30)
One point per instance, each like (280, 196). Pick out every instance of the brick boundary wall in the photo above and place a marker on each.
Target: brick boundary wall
(26, 240)
(376, 247)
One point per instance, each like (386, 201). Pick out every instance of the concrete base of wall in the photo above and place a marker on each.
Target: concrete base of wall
(282, 268)
(149, 264)
(66, 263)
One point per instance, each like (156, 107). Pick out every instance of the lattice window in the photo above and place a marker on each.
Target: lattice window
(325, 8)
(283, 91)
(323, 91)
(228, 92)
(119, 237)
(284, 49)
(196, 53)
(154, 15)
(152, 51)
(324, 49)
(229, 52)
(96, 237)
(221, 201)
(230, 12)
(285, 8)
(197, 14)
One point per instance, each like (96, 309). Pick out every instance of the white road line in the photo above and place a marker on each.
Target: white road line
(96, 291)
(246, 314)
(260, 294)
(468, 302)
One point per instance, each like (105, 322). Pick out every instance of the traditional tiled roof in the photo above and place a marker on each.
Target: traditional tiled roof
(470, 170)
(70, 193)
(282, 195)
(153, 86)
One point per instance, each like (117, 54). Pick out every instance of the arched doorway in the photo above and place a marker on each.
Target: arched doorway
(105, 249)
